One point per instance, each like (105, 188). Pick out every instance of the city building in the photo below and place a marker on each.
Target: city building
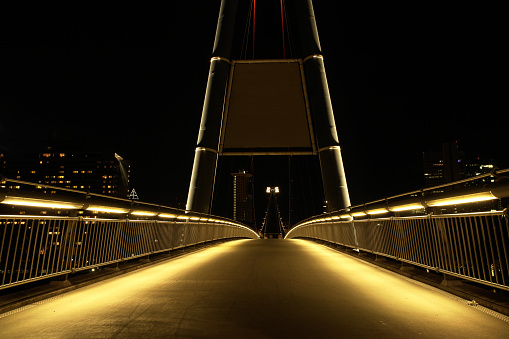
(445, 166)
(450, 165)
(96, 172)
(243, 204)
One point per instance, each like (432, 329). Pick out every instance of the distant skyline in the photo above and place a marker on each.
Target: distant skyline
(131, 80)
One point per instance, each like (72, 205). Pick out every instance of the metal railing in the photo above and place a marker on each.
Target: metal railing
(472, 246)
(34, 247)
(95, 230)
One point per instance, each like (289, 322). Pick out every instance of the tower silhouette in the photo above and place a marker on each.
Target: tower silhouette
(285, 103)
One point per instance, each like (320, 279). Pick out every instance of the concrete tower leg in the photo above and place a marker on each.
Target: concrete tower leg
(203, 176)
(334, 179)
(333, 174)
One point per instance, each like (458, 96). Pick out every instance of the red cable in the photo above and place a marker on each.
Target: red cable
(283, 30)
(254, 18)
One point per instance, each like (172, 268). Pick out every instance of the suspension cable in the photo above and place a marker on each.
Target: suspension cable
(283, 29)
(247, 29)
(254, 28)
(288, 32)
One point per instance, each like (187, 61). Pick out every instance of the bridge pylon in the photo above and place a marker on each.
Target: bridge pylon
(285, 104)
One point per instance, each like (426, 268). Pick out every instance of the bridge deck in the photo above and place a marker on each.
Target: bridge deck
(255, 289)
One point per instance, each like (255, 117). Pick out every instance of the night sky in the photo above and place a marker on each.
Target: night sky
(131, 79)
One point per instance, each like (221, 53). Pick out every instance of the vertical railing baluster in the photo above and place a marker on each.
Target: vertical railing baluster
(31, 227)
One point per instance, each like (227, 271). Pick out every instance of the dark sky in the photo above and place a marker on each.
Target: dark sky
(131, 79)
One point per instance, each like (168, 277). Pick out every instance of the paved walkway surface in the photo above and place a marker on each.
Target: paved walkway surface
(255, 289)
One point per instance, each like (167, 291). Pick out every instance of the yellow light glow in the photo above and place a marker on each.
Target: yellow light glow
(408, 207)
(462, 199)
(106, 209)
(183, 217)
(195, 218)
(346, 216)
(165, 215)
(143, 213)
(40, 203)
(377, 211)
(335, 218)
(358, 214)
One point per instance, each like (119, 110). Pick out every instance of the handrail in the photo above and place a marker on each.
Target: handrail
(88, 201)
(420, 199)
(39, 247)
(35, 247)
(471, 246)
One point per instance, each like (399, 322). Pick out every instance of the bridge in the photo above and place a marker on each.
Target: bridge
(105, 267)
(432, 262)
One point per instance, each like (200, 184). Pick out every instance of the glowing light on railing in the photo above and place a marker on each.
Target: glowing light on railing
(183, 217)
(462, 199)
(169, 216)
(377, 211)
(358, 214)
(335, 218)
(40, 203)
(143, 213)
(195, 218)
(107, 209)
(345, 216)
(407, 207)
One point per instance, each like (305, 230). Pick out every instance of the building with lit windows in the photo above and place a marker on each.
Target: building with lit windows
(443, 167)
(451, 165)
(243, 205)
(96, 172)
